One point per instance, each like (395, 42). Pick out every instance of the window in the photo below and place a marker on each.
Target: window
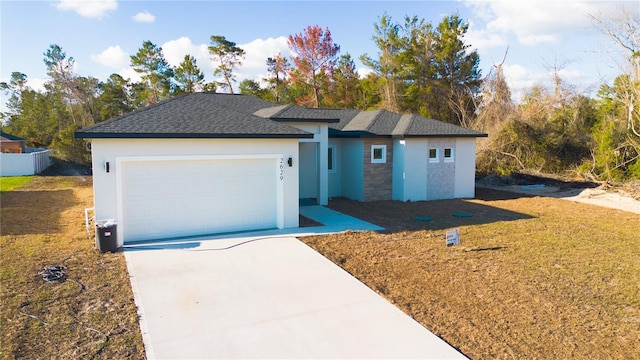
(433, 155)
(378, 154)
(331, 159)
(448, 155)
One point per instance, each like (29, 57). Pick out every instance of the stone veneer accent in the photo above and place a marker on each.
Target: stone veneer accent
(377, 177)
(441, 175)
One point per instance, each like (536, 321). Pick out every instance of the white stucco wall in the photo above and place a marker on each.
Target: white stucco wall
(415, 183)
(465, 185)
(109, 150)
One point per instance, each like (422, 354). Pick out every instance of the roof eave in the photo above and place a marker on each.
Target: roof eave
(330, 121)
(99, 135)
(445, 135)
(338, 133)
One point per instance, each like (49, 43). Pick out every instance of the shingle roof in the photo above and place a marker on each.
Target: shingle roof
(295, 113)
(200, 115)
(5, 136)
(386, 123)
(212, 115)
(376, 122)
(418, 126)
(242, 103)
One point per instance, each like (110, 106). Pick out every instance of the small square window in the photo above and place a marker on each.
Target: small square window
(378, 154)
(433, 155)
(448, 154)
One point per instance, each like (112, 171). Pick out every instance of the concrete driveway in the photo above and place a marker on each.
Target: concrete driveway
(261, 296)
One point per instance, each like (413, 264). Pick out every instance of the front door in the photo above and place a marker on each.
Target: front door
(308, 170)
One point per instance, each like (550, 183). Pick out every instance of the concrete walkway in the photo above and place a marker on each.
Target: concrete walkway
(265, 296)
(334, 221)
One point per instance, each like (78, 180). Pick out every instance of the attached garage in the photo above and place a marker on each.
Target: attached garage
(168, 197)
(195, 165)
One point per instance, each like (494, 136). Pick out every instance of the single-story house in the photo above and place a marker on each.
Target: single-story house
(208, 163)
(11, 144)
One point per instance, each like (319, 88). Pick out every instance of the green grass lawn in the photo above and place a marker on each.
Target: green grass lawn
(9, 183)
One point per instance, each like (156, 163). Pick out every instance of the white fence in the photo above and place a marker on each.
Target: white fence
(32, 162)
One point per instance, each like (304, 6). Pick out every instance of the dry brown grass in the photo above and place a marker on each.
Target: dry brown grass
(534, 278)
(91, 315)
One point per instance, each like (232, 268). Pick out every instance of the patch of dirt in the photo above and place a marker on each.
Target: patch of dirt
(534, 179)
(624, 196)
(397, 216)
(90, 315)
(534, 277)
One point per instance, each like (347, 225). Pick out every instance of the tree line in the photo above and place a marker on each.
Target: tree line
(419, 68)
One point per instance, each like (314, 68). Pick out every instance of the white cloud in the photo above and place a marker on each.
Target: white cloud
(536, 21)
(37, 84)
(113, 57)
(363, 72)
(257, 51)
(130, 74)
(570, 75)
(253, 66)
(89, 8)
(175, 50)
(144, 17)
(482, 39)
(521, 79)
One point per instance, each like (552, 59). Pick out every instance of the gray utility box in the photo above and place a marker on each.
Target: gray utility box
(107, 236)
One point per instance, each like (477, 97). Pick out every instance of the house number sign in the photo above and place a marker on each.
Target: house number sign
(281, 169)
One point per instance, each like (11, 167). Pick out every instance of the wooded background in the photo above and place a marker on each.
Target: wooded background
(419, 68)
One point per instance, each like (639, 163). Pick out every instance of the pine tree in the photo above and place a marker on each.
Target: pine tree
(188, 77)
(228, 56)
(155, 71)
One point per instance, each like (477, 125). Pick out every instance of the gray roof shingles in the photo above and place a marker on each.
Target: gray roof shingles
(386, 123)
(199, 115)
(424, 127)
(212, 115)
(295, 113)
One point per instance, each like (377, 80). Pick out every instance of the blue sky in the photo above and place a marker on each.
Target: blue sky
(101, 35)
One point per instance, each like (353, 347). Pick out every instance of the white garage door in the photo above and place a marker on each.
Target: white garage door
(174, 198)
